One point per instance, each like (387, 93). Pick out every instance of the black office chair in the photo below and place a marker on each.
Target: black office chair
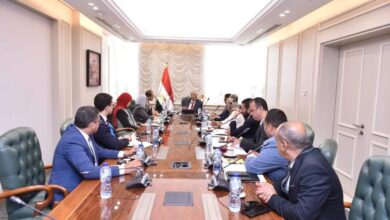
(372, 195)
(329, 150)
(22, 173)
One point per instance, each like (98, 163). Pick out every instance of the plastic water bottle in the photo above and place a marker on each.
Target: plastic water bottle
(217, 163)
(234, 203)
(148, 126)
(140, 153)
(105, 181)
(155, 134)
(155, 149)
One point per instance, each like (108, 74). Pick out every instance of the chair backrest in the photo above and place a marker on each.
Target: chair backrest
(372, 195)
(329, 150)
(185, 101)
(20, 162)
(66, 124)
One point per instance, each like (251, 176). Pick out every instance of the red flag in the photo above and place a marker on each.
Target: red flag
(166, 91)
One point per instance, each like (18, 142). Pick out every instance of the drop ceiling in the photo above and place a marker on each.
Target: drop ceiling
(194, 21)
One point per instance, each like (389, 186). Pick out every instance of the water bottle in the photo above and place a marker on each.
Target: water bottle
(148, 126)
(140, 153)
(234, 202)
(217, 163)
(155, 149)
(105, 181)
(155, 134)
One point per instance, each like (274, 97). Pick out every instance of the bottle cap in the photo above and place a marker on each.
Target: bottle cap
(105, 164)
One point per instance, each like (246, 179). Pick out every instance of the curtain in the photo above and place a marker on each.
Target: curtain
(185, 65)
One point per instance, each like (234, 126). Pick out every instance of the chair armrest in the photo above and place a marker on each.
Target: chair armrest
(28, 189)
(124, 129)
(59, 188)
(347, 205)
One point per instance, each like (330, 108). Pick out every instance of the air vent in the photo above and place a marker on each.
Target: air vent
(269, 30)
(111, 29)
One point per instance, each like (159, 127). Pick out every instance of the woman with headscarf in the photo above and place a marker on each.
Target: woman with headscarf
(140, 113)
(121, 117)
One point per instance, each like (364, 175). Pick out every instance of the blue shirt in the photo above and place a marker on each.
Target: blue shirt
(269, 162)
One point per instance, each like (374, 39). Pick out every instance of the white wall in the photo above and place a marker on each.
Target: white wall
(25, 74)
(234, 69)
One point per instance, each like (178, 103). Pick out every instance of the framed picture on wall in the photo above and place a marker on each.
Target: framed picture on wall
(93, 68)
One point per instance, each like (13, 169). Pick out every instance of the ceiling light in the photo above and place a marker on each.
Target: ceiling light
(282, 15)
(229, 21)
(287, 11)
(90, 4)
(95, 8)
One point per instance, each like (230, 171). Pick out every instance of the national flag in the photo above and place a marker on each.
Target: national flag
(166, 91)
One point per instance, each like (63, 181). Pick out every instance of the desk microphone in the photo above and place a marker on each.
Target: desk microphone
(243, 132)
(19, 201)
(215, 109)
(206, 101)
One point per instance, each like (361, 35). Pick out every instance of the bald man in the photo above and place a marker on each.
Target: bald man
(311, 188)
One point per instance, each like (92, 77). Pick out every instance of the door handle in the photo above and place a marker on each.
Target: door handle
(361, 126)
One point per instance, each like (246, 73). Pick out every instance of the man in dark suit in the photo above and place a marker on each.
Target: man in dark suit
(249, 128)
(192, 103)
(311, 189)
(77, 154)
(106, 135)
(258, 108)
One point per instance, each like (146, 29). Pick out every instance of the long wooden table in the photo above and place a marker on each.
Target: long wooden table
(85, 203)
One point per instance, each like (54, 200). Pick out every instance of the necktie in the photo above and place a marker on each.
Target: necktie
(286, 180)
(111, 128)
(191, 105)
(90, 145)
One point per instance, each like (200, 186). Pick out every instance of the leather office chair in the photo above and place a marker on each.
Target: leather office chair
(22, 172)
(66, 124)
(372, 195)
(329, 150)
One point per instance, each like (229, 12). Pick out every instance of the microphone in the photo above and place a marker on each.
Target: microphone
(243, 132)
(215, 109)
(133, 168)
(19, 201)
(206, 101)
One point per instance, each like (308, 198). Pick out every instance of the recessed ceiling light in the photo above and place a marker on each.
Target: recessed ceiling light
(287, 11)
(91, 4)
(282, 15)
(259, 31)
(95, 8)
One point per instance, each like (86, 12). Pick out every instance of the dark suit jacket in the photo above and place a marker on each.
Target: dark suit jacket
(224, 114)
(186, 102)
(104, 138)
(73, 161)
(250, 123)
(256, 141)
(315, 190)
(141, 115)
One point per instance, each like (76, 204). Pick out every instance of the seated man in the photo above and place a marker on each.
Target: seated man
(258, 108)
(249, 122)
(311, 189)
(106, 135)
(269, 161)
(77, 154)
(192, 103)
(152, 102)
(225, 113)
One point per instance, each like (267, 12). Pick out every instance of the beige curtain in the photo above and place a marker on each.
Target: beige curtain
(185, 65)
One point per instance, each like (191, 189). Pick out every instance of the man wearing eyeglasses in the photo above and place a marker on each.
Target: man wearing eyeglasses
(106, 135)
(311, 188)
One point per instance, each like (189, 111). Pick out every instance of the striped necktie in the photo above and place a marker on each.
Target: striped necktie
(92, 149)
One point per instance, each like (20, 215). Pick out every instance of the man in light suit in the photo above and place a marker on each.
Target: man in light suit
(77, 154)
(192, 103)
(311, 188)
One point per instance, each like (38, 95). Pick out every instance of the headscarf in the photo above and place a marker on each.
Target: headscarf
(141, 101)
(121, 103)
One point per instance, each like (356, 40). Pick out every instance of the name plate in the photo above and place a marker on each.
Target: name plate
(162, 153)
(200, 153)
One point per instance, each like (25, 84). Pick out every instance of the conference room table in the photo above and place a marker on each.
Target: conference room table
(180, 141)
